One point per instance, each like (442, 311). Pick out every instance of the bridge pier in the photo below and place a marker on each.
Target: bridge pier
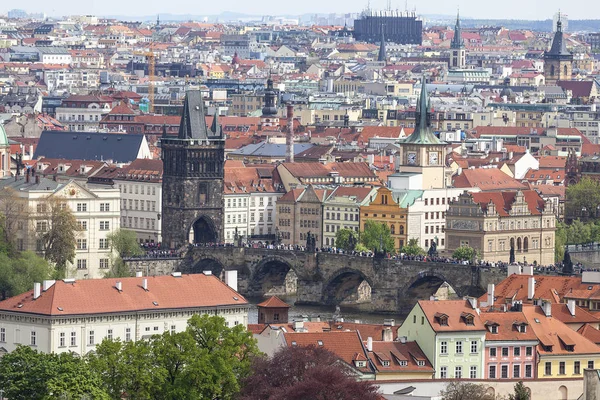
(309, 292)
(384, 300)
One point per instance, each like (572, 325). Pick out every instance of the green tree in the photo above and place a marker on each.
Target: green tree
(457, 390)
(59, 240)
(412, 248)
(125, 243)
(377, 237)
(18, 273)
(346, 239)
(465, 253)
(560, 240)
(583, 199)
(521, 392)
(13, 210)
(26, 374)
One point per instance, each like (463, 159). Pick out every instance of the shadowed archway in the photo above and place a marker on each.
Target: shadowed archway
(273, 276)
(203, 231)
(347, 287)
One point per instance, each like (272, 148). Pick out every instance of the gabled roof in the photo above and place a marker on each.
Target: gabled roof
(589, 332)
(346, 345)
(486, 179)
(394, 352)
(273, 302)
(68, 145)
(504, 200)
(453, 309)
(100, 296)
(507, 326)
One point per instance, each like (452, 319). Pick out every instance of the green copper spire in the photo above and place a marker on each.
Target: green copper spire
(423, 133)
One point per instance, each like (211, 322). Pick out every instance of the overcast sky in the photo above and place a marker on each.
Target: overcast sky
(505, 9)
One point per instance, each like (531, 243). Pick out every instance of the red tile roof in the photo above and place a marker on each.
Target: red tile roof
(486, 179)
(100, 296)
(454, 310)
(590, 333)
(394, 352)
(273, 302)
(503, 201)
(507, 326)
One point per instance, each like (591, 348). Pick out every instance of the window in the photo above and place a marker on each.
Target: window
(473, 372)
(104, 207)
(128, 334)
(504, 372)
(548, 368)
(492, 352)
(528, 371)
(517, 352)
(494, 329)
(459, 347)
(91, 339)
(104, 225)
(590, 364)
(458, 372)
(561, 368)
(109, 334)
(81, 244)
(505, 352)
(103, 244)
(61, 339)
(443, 372)
(81, 264)
(492, 372)
(516, 371)
(577, 368)
(73, 339)
(81, 207)
(528, 351)
(103, 264)
(33, 340)
(443, 347)
(82, 225)
(473, 346)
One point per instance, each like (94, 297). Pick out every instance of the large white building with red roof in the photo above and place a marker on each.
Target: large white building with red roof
(75, 316)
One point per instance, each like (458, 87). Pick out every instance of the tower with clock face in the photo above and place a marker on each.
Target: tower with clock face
(422, 152)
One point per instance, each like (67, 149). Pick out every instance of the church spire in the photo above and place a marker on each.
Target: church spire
(457, 41)
(381, 57)
(423, 133)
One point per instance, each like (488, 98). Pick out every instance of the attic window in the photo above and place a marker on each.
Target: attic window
(361, 364)
(522, 328)
(537, 321)
(294, 344)
(385, 363)
(403, 363)
(320, 342)
(421, 363)
(590, 287)
(494, 329)
(155, 303)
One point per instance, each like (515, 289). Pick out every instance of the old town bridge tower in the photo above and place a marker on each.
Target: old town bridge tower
(193, 178)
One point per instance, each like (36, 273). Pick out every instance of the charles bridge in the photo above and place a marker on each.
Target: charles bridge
(325, 278)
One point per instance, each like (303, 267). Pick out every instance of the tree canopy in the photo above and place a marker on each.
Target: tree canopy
(297, 373)
(26, 374)
(457, 390)
(465, 253)
(377, 234)
(412, 248)
(346, 239)
(19, 272)
(520, 393)
(125, 243)
(583, 199)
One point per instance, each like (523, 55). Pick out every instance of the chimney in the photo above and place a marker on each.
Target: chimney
(207, 273)
(231, 279)
(47, 284)
(37, 179)
(119, 286)
(289, 137)
(490, 294)
(389, 322)
(369, 343)
(27, 176)
(31, 152)
(530, 288)
(547, 308)
(571, 306)
(145, 284)
(514, 269)
(37, 289)
(139, 274)
(299, 326)
(402, 339)
(388, 335)
(527, 269)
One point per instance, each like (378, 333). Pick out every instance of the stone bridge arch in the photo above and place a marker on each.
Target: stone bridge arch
(347, 285)
(273, 274)
(207, 263)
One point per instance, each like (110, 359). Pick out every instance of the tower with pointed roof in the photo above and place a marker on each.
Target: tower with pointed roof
(422, 152)
(458, 52)
(381, 57)
(558, 61)
(269, 112)
(194, 161)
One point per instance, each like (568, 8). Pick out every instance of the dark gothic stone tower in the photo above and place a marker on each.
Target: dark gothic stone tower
(558, 61)
(193, 178)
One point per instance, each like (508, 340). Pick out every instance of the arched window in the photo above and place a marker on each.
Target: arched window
(402, 229)
(566, 72)
(393, 229)
(525, 244)
(518, 244)
(552, 70)
(512, 243)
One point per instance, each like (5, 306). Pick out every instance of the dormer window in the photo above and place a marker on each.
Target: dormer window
(494, 329)
(403, 363)
(522, 328)
(468, 318)
(421, 363)
(360, 364)
(442, 319)
(385, 363)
